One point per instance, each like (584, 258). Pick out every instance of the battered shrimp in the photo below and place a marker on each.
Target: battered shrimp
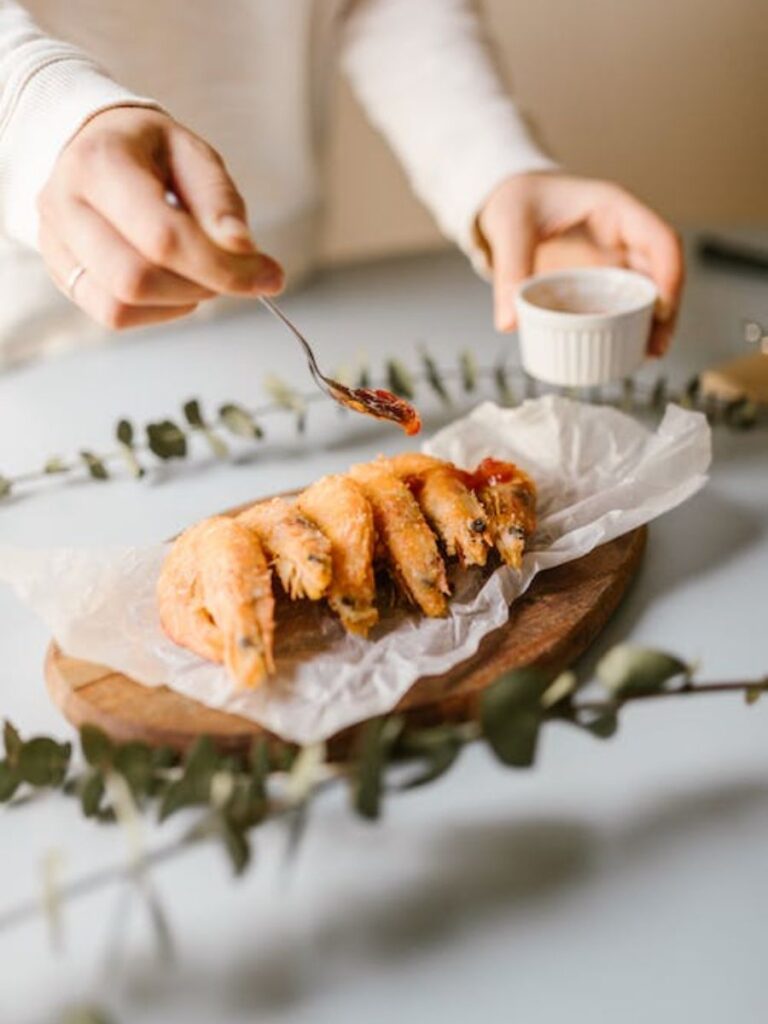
(338, 506)
(409, 544)
(300, 553)
(509, 497)
(214, 596)
(452, 510)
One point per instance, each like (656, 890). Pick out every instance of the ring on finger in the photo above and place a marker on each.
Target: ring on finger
(74, 276)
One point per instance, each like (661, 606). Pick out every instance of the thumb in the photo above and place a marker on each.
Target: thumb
(206, 190)
(512, 247)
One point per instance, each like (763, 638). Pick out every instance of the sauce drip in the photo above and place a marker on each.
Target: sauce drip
(380, 404)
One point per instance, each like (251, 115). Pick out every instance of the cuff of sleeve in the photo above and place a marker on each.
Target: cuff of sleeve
(47, 109)
(473, 186)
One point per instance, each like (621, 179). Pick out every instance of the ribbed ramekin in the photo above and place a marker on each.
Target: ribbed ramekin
(584, 327)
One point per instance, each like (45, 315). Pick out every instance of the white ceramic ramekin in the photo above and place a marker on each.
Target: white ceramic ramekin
(584, 327)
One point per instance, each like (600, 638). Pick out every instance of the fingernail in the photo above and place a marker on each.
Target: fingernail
(269, 274)
(231, 230)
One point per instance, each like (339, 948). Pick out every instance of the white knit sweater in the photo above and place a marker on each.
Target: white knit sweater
(251, 77)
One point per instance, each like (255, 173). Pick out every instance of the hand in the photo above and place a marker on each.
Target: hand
(594, 222)
(105, 208)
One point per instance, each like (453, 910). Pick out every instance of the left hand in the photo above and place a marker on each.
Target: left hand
(547, 220)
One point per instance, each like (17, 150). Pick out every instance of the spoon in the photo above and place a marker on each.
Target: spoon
(376, 402)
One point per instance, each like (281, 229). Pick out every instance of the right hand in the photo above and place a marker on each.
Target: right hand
(105, 208)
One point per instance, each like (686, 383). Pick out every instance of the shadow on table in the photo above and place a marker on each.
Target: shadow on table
(689, 542)
(473, 877)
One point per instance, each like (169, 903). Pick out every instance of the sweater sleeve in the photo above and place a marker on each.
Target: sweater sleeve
(48, 90)
(425, 77)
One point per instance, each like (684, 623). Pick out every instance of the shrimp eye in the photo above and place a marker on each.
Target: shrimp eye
(478, 525)
(516, 531)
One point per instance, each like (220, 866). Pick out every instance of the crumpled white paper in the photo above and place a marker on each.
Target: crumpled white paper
(599, 473)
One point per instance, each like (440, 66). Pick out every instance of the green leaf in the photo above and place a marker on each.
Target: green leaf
(43, 761)
(438, 748)
(176, 797)
(502, 385)
(511, 714)
(399, 380)
(124, 433)
(377, 740)
(6, 487)
(364, 377)
(434, 379)
(288, 398)
(602, 724)
(563, 686)
(753, 693)
(468, 366)
(135, 763)
(92, 793)
(258, 759)
(193, 414)
(55, 465)
(95, 466)
(164, 757)
(12, 741)
(237, 846)
(659, 394)
(626, 671)
(166, 440)
(239, 421)
(96, 746)
(9, 781)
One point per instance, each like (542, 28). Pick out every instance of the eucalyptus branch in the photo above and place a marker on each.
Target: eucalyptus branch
(161, 441)
(237, 794)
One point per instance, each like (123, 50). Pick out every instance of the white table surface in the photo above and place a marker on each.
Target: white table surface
(620, 881)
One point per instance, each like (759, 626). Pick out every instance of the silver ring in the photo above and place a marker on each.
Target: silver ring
(75, 274)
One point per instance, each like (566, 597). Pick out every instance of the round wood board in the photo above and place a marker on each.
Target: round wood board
(550, 626)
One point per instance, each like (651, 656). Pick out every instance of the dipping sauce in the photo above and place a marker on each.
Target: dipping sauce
(381, 404)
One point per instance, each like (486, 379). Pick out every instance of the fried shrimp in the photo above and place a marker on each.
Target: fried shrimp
(214, 596)
(340, 509)
(298, 550)
(450, 507)
(410, 546)
(509, 498)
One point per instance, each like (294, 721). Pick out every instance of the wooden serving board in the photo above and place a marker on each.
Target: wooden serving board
(549, 626)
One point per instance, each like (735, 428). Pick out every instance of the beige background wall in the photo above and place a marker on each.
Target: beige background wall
(669, 97)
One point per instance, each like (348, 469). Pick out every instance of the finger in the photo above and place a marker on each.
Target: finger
(653, 247)
(513, 247)
(131, 196)
(660, 339)
(116, 266)
(94, 300)
(203, 185)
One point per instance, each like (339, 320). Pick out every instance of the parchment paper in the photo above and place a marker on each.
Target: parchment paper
(600, 473)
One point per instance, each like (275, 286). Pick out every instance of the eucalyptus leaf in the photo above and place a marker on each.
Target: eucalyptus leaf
(12, 741)
(237, 846)
(43, 761)
(92, 793)
(364, 377)
(9, 781)
(166, 440)
(201, 764)
(752, 694)
(95, 466)
(741, 414)
(86, 1015)
(468, 367)
(177, 796)
(399, 380)
(438, 748)
(55, 465)
(627, 671)
(124, 433)
(435, 379)
(258, 759)
(377, 740)
(288, 398)
(193, 414)
(511, 714)
(6, 486)
(135, 763)
(96, 746)
(240, 422)
(559, 689)
(602, 724)
(502, 385)
(659, 393)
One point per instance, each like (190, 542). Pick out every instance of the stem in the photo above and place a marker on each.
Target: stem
(687, 690)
